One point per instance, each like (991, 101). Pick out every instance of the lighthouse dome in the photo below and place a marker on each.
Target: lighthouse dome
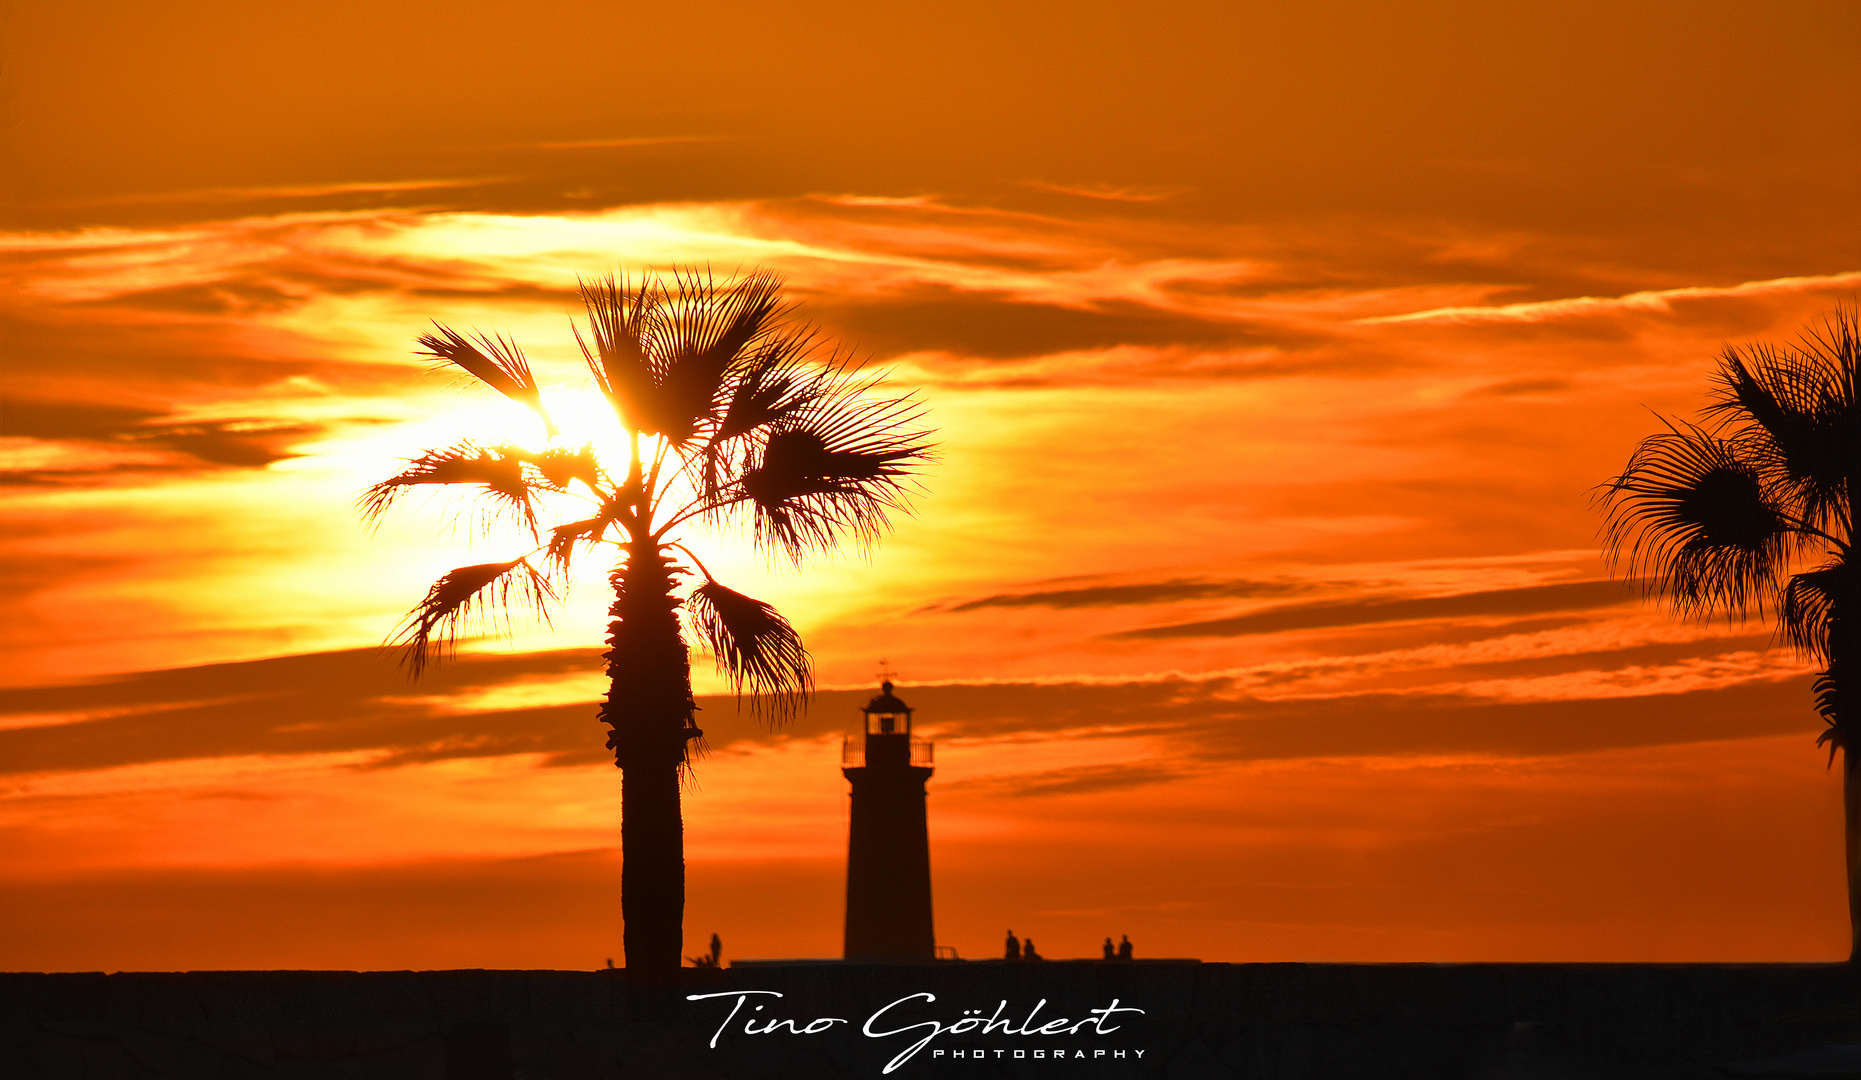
(886, 702)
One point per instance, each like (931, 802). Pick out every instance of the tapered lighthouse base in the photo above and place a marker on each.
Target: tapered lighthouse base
(888, 887)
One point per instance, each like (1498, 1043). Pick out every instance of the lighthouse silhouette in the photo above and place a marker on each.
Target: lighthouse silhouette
(888, 885)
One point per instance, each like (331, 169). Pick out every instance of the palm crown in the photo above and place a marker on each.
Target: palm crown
(745, 414)
(1756, 513)
(749, 414)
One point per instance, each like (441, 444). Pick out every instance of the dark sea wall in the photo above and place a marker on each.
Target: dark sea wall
(1038, 1019)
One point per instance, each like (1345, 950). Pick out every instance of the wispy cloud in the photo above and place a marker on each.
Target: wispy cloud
(285, 191)
(1564, 596)
(1651, 300)
(1119, 595)
(1073, 780)
(1111, 192)
(610, 144)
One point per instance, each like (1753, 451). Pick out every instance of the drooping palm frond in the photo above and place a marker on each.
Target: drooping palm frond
(622, 319)
(1810, 614)
(710, 328)
(504, 370)
(431, 629)
(499, 469)
(832, 471)
(755, 646)
(1809, 607)
(1832, 735)
(563, 538)
(1693, 521)
(1833, 687)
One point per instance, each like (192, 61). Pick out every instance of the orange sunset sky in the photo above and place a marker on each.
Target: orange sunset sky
(1255, 605)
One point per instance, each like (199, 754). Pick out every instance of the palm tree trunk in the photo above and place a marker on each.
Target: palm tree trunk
(650, 708)
(1832, 703)
(1851, 845)
(1844, 650)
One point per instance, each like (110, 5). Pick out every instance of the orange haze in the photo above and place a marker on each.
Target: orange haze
(1255, 607)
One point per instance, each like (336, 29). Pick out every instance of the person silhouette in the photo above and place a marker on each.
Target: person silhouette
(1013, 952)
(1110, 952)
(1124, 947)
(1027, 950)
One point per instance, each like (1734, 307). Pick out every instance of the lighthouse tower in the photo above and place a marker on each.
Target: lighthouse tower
(888, 887)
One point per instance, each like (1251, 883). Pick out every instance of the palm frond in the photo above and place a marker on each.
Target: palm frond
(499, 469)
(833, 471)
(563, 538)
(711, 328)
(559, 466)
(756, 648)
(431, 629)
(1837, 345)
(623, 318)
(1782, 409)
(778, 382)
(1828, 691)
(1693, 521)
(504, 370)
(1831, 735)
(1836, 351)
(1809, 608)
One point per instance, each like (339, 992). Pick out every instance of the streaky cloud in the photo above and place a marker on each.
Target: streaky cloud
(280, 191)
(1157, 592)
(1077, 780)
(1649, 300)
(237, 442)
(357, 700)
(1108, 193)
(612, 144)
(1526, 600)
(998, 325)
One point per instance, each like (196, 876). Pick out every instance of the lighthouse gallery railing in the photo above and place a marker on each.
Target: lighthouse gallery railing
(853, 753)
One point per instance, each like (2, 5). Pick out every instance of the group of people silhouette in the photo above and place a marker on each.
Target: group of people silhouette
(1017, 949)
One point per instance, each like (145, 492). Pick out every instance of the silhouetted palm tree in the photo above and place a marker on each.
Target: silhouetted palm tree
(1756, 513)
(744, 414)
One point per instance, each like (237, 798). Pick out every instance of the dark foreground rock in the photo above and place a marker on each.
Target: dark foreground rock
(991, 1019)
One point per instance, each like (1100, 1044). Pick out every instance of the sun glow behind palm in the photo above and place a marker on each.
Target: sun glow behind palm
(722, 408)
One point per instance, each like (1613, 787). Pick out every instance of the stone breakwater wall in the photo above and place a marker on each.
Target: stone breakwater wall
(1293, 1021)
